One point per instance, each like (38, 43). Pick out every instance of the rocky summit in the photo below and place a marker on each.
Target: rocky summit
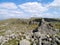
(42, 33)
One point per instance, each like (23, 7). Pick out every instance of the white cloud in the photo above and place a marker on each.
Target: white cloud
(29, 9)
(8, 5)
(3, 11)
(15, 11)
(10, 10)
(55, 3)
(33, 7)
(7, 13)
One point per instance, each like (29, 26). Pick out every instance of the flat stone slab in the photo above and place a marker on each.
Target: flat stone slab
(25, 42)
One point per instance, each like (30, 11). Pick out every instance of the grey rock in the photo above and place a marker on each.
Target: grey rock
(25, 42)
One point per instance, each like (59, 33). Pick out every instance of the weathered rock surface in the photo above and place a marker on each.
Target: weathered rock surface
(25, 42)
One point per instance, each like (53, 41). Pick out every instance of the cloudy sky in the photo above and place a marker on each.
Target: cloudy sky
(29, 8)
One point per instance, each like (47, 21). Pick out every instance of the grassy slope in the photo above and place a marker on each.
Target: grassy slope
(11, 42)
(16, 24)
(20, 25)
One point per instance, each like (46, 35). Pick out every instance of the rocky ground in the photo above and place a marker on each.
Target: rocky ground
(41, 34)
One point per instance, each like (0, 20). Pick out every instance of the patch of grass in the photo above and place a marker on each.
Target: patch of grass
(11, 42)
(56, 25)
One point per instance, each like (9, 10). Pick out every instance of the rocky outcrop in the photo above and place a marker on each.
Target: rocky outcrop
(43, 34)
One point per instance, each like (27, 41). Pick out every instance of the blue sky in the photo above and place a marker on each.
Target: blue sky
(29, 8)
(24, 1)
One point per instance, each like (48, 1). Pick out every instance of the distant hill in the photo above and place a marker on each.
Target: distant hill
(52, 20)
(28, 23)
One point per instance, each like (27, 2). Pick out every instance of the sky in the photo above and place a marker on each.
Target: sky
(29, 8)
